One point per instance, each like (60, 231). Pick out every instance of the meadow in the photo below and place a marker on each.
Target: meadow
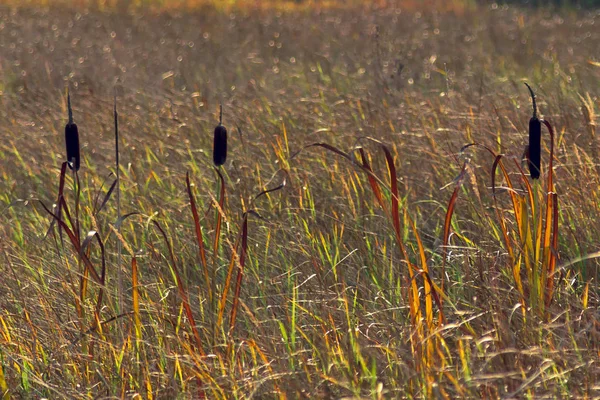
(374, 232)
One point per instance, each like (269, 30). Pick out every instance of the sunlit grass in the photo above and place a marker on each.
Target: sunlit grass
(457, 6)
(350, 246)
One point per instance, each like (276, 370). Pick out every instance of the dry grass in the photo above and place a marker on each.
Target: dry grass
(340, 283)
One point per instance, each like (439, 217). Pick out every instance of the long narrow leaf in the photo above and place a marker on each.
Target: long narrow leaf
(61, 188)
(448, 221)
(75, 244)
(136, 299)
(217, 238)
(372, 181)
(199, 237)
(553, 253)
(238, 283)
(182, 291)
(106, 197)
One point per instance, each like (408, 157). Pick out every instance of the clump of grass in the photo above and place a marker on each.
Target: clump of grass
(531, 241)
(426, 341)
(320, 300)
(589, 113)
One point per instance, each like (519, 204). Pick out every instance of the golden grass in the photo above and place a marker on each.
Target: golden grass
(357, 242)
(455, 6)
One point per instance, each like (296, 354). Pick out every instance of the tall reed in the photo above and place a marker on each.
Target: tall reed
(535, 140)
(72, 139)
(220, 141)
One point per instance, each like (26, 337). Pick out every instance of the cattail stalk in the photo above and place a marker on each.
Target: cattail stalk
(72, 139)
(220, 142)
(219, 157)
(73, 158)
(118, 188)
(535, 140)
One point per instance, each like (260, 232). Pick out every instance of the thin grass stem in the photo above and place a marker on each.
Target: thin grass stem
(118, 189)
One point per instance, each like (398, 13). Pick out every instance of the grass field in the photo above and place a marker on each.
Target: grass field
(352, 245)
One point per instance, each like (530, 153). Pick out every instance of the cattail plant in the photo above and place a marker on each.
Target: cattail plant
(220, 142)
(531, 242)
(535, 140)
(72, 139)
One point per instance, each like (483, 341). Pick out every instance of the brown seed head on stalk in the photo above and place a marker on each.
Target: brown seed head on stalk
(220, 142)
(535, 140)
(72, 139)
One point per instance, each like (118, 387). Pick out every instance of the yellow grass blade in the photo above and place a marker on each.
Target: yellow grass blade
(136, 299)
(553, 252)
(4, 393)
(5, 331)
(585, 296)
(149, 394)
(226, 287)
(428, 289)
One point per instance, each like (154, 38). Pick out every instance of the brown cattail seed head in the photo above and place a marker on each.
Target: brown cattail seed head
(535, 147)
(220, 141)
(72, 140)
(535, 141)
(220, 145)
